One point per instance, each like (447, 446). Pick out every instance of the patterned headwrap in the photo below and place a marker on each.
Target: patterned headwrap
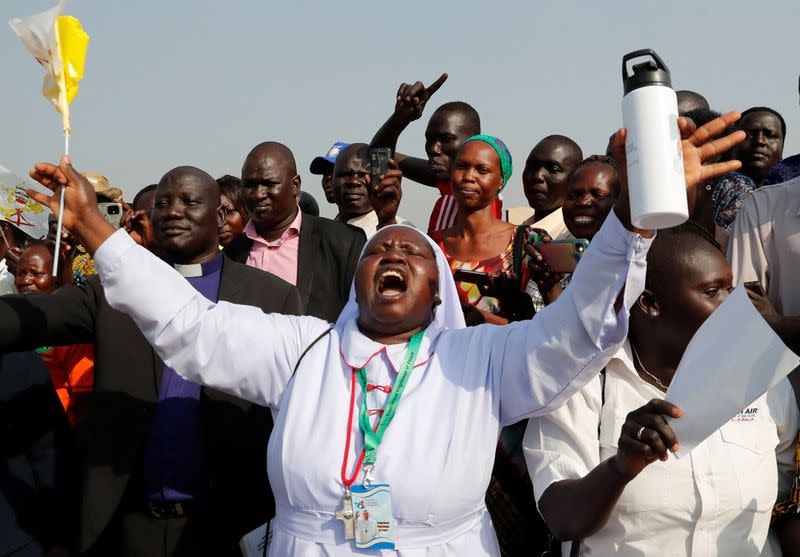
(502, 152)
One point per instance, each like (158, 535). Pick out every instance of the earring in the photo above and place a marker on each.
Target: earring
(708, 187)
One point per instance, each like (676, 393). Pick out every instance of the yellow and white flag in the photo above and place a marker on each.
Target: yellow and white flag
(58, 43)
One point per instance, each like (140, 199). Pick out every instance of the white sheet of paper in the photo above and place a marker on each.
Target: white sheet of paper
(734, 358)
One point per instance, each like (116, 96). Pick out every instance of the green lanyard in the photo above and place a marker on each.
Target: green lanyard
(372, 440)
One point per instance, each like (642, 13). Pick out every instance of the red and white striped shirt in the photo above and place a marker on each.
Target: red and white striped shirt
(445, 210)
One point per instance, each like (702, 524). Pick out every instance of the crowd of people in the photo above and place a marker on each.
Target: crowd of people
(227, 361)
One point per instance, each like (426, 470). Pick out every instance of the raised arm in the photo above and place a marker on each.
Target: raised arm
(410, 103)
(237, 349)
(546, 360)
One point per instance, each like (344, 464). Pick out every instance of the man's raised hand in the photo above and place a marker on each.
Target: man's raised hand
(80, 202)
(385, 196)
(411, 98)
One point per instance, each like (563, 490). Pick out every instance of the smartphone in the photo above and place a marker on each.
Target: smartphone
(112, 212)
(472, 277)
(378, 164)
(563, 255)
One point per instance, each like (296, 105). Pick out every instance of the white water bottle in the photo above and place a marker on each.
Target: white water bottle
(657, 185)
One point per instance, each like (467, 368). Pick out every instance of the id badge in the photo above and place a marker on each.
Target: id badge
(373, 516)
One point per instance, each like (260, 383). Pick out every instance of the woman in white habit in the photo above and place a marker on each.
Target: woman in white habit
(466, 383)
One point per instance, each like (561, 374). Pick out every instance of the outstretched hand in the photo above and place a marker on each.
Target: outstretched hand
(411, 98)
(698, 146)
(80, 202)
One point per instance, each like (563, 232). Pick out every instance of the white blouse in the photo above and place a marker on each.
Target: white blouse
(717, 500)
(437, 454)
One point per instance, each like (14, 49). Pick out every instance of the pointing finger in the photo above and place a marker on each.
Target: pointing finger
(436, 84)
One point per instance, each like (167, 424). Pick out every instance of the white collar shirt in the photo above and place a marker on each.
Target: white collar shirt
(554, 224)
(717, 500)
(765, 244)
(368, 222)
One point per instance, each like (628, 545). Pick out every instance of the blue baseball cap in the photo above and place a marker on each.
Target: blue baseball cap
(324, 164)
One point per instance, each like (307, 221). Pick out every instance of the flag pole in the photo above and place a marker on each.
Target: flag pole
(60, 225)
(62, 99)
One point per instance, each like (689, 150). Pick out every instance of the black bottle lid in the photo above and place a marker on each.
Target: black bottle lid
(651, 72)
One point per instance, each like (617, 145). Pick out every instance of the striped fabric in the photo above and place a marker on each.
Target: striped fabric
(445, 210)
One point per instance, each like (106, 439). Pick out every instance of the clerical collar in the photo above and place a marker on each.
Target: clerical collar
(200, 269)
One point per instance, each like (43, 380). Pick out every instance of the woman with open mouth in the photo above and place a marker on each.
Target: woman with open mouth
(398, 359)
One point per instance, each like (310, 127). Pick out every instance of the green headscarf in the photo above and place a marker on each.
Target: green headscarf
(502, 152)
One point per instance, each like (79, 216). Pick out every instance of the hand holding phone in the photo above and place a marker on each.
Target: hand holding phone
(378, 164)
(562, 256)
(546, 279)
(385, 191)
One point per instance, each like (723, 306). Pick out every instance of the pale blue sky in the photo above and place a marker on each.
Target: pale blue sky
(171, 82)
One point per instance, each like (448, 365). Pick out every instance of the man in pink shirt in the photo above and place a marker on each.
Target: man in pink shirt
(315, 254)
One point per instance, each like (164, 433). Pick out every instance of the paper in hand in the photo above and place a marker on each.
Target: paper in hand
(734, 358)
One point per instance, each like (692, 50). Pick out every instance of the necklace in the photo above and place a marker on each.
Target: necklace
(644, 369)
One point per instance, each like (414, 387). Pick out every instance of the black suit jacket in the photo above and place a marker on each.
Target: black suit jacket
(38, 499)
(127, 379)
(326, 261)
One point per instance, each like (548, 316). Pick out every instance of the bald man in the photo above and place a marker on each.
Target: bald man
(316, 254)
(544, 182)
(689, 100)
(172, 468)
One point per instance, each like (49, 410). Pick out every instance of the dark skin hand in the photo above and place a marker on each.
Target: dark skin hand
(80, 202)
(608, 480)
(138, 226)
(787, 328)
(547, 281)
(410, 102)
(515, 304)
(385, 196)
(12, 259)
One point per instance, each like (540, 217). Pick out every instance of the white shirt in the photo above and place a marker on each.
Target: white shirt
(6, 280)
(368, 222)
(554, 224)
(437, 455)
(716, 500)
(765, 244)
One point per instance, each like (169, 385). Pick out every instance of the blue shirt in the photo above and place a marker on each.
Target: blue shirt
(173, 467)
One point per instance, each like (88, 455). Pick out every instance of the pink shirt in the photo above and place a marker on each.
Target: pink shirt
(278, 257)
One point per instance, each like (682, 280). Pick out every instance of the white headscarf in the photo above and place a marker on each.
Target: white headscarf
(447, 315)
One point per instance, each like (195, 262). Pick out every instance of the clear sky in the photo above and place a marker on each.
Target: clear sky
(172, 82)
